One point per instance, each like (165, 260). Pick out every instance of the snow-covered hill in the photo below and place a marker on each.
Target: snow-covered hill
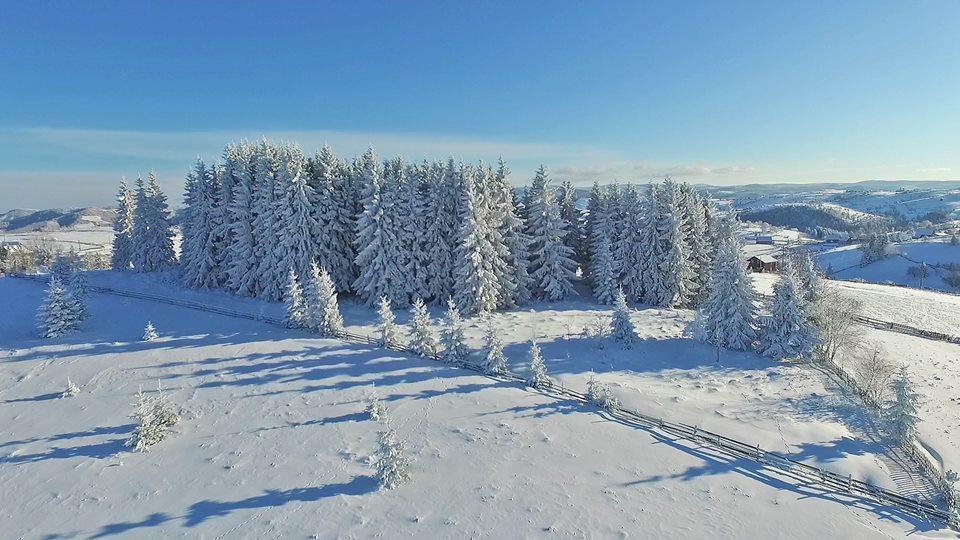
(275, 442)
(844, 263)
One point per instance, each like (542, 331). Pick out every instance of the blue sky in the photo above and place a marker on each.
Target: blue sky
(713, 92)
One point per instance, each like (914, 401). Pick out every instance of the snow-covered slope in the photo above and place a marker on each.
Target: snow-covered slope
(845, 264)
(275, 442)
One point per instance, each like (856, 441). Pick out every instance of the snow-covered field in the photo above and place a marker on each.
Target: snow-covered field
(275, 442)
(845, 260)
(93, 239)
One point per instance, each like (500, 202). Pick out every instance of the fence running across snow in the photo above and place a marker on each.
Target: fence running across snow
(802, 473)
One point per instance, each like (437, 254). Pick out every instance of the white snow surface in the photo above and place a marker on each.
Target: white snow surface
(275, 442)
(845, 261)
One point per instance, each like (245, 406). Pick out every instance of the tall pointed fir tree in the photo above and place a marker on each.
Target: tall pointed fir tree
(651, 247)
(323, 309)
(266, 222)
(551, 266)
(200, 245)
(297, 242)
(122, 255)
(413, 219)
(697, 239)
(477, 287)
(453, 337)
(631, 258)
(594, 202)
(60, 312)
(677, 278)
(808, 277)
(152, 233)
(787, 331)
(441, 233)
(294, 303)
(519, 283)
(567, 198)
(728, 317)
(902, 414)
(379, 254)
(241, 259)
(603, 273)
(333, 214)
(229, 174)
(422, 339)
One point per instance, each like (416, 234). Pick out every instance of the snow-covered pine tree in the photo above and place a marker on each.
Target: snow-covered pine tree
(441, 233)
(494, 361)
(495, 204)
(379, 256)
(298, 243)
(200, 248)
(387, 325)
(698, 242)
(334, 217)
(293, 302)
(567, 198)
(603, 272)
(241, 262)
(477, 288)
(629, 259)
(452, 336)
(623, 329)
(152, 233)
(901, 413)
(266, 223)
(808, 277)
(58, 313)
(71, 390)
(229, 174)
(518, 290)
(155, 418)
(123, 249)
(320, 297)
(393, 465)
(376, 408)
(650, 247)
(787, 331)
(538, 370)
(728, 318)
(551, 266)
(422, 340)
(149, 332)
(677, 287)
(594, 204)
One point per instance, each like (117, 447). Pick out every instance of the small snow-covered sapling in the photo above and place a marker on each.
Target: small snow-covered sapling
(72, 390)
(393, 465)
(149, 332)
(538, 370)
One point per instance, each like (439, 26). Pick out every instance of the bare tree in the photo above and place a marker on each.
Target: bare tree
(834, 316)
(874, 371)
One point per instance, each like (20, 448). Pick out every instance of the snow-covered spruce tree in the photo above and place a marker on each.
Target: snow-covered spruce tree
(901, 413)
(808, 277)
(320, 297)
(622, 327)
(122, 254)
(787, 331)
(294, 304)
(155, 418)
(567, 198)
(651, 248)
(494, 361)
(698, 242)
(413, 224)
(379, 255)
(441, 232)
(152, 233)
(477, 285)
(200, 248)
(551, 266)
(58, 314)
(677, 287)
(266, 223)
(228, 175)
(149, 332)
(603, 272)
(630, 260)
(452, 336)
(517, 244)
(595, 202)
(387, 325)
(495, 196)
(600, 395)
(71, 390)
(538, 369)
(241, 262)
(334, 217)
(376, 409)
(393, 465)
(76, 283)
(422, 340)
(728, 317)
(297, 242)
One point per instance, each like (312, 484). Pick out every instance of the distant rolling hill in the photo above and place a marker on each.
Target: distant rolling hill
(26, 220)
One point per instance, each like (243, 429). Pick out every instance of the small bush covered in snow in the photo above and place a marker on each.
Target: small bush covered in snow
(72, 390)
(155, 418)
(538, 370)
(149, 332)
(393, 465)
(375, 408)
(600, 395)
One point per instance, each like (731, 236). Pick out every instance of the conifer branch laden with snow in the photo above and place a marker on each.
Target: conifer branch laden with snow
(386, 325)
(422, 340)
(392, 463)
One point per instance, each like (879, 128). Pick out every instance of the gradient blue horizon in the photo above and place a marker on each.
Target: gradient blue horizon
(719, 92)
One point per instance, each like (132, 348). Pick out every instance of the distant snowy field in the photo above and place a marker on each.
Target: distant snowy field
(275, 443)
(845, 261)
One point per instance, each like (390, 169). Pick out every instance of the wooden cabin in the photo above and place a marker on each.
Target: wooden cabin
(762, 263)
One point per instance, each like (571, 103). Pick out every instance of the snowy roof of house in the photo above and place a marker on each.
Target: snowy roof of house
(765, 258)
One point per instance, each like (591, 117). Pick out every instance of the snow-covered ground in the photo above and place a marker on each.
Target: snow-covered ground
(275, 443)
(845, 263)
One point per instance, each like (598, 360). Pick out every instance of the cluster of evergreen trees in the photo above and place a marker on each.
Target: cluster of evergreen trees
(143, 237)
(380, 228)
